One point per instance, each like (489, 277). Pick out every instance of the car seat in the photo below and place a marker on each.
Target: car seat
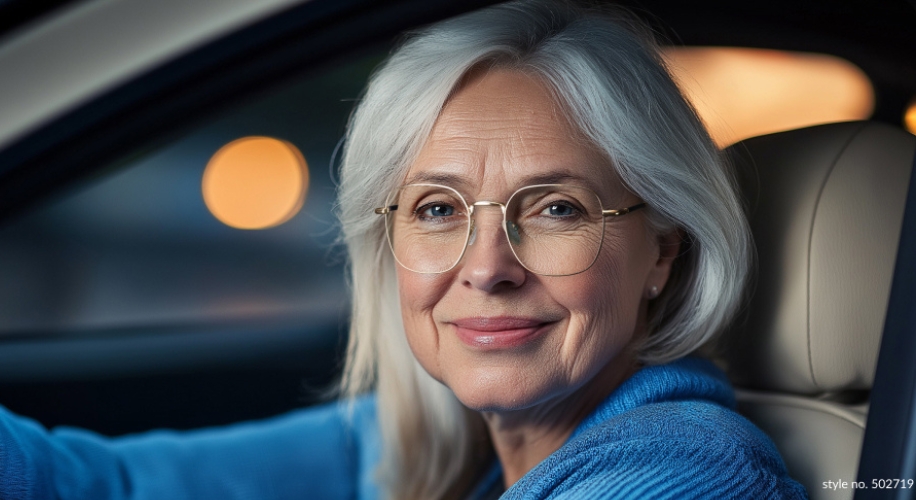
(825, 206)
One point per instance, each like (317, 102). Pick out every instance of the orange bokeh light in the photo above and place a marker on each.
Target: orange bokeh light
(741, 93)
(909, 120)
(255, 182)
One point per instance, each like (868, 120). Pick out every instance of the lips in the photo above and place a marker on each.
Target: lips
(500, 332)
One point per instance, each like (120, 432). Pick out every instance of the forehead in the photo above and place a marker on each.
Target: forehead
(503, 129)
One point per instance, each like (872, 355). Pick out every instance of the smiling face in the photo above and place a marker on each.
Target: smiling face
(501, 337)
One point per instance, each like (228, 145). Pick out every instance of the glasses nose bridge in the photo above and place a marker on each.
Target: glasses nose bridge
(472, 211)
(485, 203)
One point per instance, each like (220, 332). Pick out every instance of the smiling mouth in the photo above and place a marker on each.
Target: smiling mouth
(502, 332)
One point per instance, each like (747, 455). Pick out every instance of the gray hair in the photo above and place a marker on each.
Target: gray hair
(606, 72)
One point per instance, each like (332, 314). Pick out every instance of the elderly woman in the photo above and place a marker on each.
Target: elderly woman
(540, 231)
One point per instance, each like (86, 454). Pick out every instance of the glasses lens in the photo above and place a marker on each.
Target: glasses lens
(555, 230)
(428, 230)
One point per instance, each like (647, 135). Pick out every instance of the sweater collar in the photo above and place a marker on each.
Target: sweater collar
(685, 379)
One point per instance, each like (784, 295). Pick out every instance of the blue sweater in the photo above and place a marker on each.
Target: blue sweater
(667, 432)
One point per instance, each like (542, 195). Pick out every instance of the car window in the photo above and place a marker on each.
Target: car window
(138, 248)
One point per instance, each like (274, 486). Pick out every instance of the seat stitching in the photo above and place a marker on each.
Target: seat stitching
(817, 204)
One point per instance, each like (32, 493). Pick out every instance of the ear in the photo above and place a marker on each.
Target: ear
(669, 247)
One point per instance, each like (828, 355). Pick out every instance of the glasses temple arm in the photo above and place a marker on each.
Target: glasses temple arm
(622, 211)
(385, 210)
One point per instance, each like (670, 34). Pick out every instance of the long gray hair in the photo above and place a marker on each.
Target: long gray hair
(606, 72)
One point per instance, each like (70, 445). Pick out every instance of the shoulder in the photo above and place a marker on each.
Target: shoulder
(676, 449)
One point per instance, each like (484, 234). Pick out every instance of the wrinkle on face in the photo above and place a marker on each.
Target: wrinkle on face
(468, 130)
(500, 131)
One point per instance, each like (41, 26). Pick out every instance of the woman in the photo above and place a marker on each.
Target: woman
(539, 230)
(528, 337)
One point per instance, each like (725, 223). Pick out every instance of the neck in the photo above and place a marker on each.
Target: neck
(524, 438)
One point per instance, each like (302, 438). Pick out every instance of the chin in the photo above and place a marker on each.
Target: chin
(495, 405)
(498, 392)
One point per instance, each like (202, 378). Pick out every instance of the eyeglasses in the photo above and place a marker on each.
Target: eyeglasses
(553, 229)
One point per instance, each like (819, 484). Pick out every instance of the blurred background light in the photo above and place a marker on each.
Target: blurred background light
(909, 119)
(255, 182)
(741, 93)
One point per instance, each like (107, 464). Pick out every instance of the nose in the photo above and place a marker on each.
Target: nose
(489, 264)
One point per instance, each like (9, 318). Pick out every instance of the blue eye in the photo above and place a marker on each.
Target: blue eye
(559, 210)
(436, 210)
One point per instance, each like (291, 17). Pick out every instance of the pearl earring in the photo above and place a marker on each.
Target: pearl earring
(653, 292)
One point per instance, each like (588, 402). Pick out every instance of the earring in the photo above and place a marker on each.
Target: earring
(653, 292)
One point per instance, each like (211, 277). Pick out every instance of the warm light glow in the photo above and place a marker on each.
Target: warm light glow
(741, 93)
(255, 183)
(909, 120)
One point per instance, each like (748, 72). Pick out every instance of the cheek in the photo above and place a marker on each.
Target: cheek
(604, 305)
(627, 261)
(602, 291)
(419, 294)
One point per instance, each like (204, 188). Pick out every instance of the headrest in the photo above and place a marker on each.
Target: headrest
(825, 206)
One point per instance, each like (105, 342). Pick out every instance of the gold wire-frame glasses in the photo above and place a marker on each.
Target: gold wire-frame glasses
(552, 229)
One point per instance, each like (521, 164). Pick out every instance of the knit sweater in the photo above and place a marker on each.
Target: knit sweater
(667, 432)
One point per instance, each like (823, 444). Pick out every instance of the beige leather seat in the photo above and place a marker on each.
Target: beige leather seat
(826, 206)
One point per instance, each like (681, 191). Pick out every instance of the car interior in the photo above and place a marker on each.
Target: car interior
(127, 304)
(826, 206)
